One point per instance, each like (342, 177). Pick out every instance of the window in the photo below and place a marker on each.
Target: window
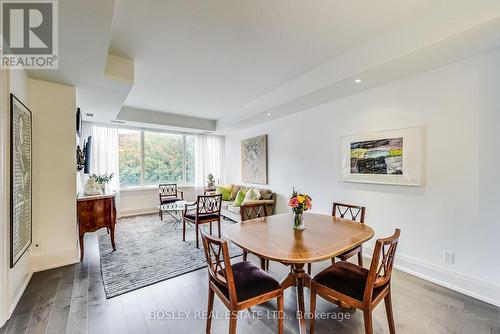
(189, 158)
(129, 143)
(148, 158)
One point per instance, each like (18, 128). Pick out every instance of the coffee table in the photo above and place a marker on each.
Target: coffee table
(174, 210)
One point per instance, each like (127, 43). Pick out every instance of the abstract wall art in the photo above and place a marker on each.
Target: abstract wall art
(389, 157)
(21, 175)
(254, 160)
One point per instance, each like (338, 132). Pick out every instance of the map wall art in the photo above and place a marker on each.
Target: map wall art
(21, 174)
(390, 157)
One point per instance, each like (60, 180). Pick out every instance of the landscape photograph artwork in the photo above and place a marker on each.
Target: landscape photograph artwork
(380, 156)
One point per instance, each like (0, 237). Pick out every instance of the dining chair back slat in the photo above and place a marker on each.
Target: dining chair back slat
(218, 261)
(209, 204)
(349, 211)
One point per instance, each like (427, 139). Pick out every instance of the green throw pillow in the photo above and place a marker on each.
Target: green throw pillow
(225, 191)
(240, 197)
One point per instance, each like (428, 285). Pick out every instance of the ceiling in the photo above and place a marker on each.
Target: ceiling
(218, 64)
(210, 58)
(84, 37)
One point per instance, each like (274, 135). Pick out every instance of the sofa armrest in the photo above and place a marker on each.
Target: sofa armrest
(259, 201)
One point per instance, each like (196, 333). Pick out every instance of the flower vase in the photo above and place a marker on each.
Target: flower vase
(298, 221)
(103, 187)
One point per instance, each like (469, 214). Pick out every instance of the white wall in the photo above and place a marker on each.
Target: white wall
(459, 107)
(134, 202)
(54, 187)
(17, 278)
(54, 179)
(4, 90)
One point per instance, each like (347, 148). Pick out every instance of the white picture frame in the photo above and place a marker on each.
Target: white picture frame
(254, 160)
(21, 228)
(364, 156)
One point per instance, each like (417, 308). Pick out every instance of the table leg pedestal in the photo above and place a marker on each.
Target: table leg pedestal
(299, 279)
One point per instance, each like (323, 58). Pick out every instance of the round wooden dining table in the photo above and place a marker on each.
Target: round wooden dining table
(273, 238)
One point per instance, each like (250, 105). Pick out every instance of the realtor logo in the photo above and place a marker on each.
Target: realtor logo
(29, 34)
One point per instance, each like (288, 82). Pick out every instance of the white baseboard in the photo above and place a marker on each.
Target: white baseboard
(19, 294)
(131, 213)
(53, 260)
(466, 284)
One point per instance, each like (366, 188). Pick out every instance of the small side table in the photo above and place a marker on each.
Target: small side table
(174, 210)
(209, 190)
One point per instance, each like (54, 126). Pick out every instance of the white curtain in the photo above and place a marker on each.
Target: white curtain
(104, 157)
(209, 158)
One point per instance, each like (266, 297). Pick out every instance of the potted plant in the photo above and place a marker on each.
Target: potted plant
(102, 180)
(210, 180)
(299, 203)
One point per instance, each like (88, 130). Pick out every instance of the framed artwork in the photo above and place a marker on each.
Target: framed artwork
(21, 177)
(386, 157)
(254, 160)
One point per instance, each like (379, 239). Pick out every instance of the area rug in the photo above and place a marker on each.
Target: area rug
(149, 251)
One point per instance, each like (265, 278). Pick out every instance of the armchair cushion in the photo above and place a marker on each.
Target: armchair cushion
(250, 281)
(201, 216)
(233, 208)
(346, 278)
(168, 200)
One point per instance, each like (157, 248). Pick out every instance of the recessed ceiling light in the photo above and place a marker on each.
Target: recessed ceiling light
(358, 80)
(268, 114)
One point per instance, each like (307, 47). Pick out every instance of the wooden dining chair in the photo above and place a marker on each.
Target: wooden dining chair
(205, 210)
(354, 213)
(252, 211)
(169, 193)
(346, 282)
(239, 286)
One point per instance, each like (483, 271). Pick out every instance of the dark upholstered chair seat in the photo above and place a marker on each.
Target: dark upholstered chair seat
(201, 216)
(250, 281)
(346, 278)
(170, 200)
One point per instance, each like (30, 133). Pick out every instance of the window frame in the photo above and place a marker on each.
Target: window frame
(144, 186)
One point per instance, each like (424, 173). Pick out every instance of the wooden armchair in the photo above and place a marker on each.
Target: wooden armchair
(205, 210)
(239, 286)
(252, 211)
(355, 213)
(169, 193)
(345, 282)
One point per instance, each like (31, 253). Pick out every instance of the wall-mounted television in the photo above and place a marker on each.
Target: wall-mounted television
(88, 155)
(78, 122)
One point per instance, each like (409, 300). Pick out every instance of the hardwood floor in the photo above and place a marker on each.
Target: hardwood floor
(71, 299)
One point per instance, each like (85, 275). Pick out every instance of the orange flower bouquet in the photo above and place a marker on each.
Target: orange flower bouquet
(299, 203)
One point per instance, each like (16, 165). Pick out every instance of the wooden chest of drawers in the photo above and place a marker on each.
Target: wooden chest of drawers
(94, 213)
